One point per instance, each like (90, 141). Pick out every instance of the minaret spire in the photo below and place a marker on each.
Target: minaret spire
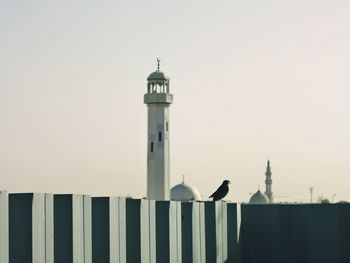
(268, 182)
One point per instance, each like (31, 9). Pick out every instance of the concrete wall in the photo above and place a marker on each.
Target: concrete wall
(46, 228)
(295, 233)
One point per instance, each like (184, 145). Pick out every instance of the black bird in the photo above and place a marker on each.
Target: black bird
(221, 192)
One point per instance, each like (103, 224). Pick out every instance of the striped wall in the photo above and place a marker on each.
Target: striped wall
(47, 228)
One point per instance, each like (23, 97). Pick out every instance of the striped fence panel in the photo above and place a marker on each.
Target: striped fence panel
(47, 228)
(72, 228)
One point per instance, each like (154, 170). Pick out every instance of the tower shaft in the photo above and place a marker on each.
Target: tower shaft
(158, 156)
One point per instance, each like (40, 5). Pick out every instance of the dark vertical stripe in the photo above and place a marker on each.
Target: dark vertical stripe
(210, 232)
(186, 231)
(20, 228)
(344, 234)
(232, 242)
(100, 230)
(162, 231)
(63, 229)
(133, 234)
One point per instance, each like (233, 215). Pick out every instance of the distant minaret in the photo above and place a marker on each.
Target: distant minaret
(158, 100)
(268, 183)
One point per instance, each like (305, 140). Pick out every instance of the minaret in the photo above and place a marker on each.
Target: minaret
(268, 183)
(158, 100)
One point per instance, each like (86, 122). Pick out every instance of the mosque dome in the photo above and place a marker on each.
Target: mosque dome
(259, 198)
(184, 192)
(157, 75)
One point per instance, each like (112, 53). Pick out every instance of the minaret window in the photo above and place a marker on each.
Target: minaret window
(166, 126)
(160, 137)
(151, 147)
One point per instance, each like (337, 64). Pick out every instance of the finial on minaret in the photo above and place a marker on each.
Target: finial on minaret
(183, 178)
(158, 64)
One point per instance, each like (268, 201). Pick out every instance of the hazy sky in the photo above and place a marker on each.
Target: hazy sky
(250, 79)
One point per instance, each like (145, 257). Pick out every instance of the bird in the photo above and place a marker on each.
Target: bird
(221, 192)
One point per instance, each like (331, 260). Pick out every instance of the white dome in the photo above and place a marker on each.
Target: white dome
(185, 192)
(259, 198)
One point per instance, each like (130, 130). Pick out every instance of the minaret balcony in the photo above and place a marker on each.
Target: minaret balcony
(161, 98)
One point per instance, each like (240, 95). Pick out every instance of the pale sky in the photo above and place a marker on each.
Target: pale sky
(250, 79)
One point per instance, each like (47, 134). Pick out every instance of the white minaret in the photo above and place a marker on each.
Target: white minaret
(158, 100)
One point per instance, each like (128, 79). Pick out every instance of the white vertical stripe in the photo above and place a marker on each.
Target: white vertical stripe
(49, 228)
(202, 230)
(4, 227)
(238, 210)
(78, 229)
(152, 230)
(179, 231)
(87, 229)
(148, 231)
(218, 230)
(198, 232)
(144, 221)
(114, 229)
(38, 228)
(221, 231)
(224, 232)
(195, 233)
(173, 232)
(122, 229)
